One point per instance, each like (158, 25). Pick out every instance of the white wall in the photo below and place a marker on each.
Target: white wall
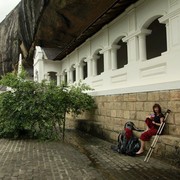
(139, 72)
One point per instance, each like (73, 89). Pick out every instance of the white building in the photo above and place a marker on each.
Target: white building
(137, 51)
(132, 63)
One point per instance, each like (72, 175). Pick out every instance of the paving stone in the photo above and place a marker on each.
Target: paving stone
(81, 157)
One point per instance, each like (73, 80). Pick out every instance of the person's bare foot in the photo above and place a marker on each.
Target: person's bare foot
(139, 152)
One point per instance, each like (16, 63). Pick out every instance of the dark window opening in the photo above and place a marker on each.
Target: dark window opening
(122, 58)
(53, 76)
(100, 64)
(156, 42)
(74, 75)
(65, 77)
(85, 70)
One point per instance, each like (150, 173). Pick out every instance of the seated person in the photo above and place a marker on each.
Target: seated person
(153, 122)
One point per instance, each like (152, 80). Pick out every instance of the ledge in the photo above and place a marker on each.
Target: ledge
(141, 88)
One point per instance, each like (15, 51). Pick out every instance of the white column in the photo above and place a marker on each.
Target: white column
(142, 44)
(114, 49)
(107, 59)
(58, 78)
(81, 71)
(142, 47)
(70, 78)
(89, 66)
(167, 35)
(94, 65)
(132, 48)
(47, 77)
(77, 72)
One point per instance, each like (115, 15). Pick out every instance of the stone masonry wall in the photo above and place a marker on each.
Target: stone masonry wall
(114, 110)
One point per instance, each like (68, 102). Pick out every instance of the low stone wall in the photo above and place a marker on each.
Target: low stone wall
(114, 110)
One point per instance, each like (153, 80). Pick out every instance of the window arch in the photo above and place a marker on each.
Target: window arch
(156, 42)
(73, 71)
(65, 78)
(122, 57)
(53, 76)
(99, 62)
(84, 69)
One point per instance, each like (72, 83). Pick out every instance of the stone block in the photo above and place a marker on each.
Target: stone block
(141, 97)
(127, 114)
(130, 106)
(103, 112)
(148, 107)
(126, 97)
(117, 121)
(169, 150)
(113, 113)
(177, 118)
(169, 140)
(164, 95)
(164, 105)
(174, 106)
(142, 125)
(118, 105)
(140, 115)
(106, 105)
(117, 128)
(107, 120)
(132, 115)
(111, 105)
(108, 112)
(113, 135)
(170, 119)
(175, 95)
(120, 98)
(132, 97)
(139, 106)
(153, 96)
(124, 105)
(119, 113)
(174, 130)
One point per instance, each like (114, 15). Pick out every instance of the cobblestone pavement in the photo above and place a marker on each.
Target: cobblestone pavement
(80, 157)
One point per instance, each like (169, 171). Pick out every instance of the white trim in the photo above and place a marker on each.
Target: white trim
(136, 89)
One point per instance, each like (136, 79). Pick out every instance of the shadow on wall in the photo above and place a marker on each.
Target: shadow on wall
(93, 128)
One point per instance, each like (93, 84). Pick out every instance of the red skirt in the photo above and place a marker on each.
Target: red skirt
(146, 136)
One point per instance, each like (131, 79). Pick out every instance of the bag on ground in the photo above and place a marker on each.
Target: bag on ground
(128, 144)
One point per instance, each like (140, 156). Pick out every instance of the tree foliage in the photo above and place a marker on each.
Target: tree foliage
(38, 110)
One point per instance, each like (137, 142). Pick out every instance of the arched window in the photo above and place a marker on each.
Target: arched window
(73, 73)
(65, 79)
(100, 63)
(156, 42)
(53, 76)
(122, 58)
(84, 70)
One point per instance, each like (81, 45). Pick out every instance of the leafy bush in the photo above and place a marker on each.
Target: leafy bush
(38, 110)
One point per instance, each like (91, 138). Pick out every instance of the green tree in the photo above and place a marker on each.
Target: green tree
(38, 110)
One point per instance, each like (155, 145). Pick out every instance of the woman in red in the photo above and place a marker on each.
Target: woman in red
(153, 122)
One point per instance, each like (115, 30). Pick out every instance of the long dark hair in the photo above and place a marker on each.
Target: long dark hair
(157, 106)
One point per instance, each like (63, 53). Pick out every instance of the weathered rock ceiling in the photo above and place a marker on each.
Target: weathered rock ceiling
(58, 24)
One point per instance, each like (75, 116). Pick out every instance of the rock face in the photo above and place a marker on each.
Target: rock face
(17, 33)
(58, 24)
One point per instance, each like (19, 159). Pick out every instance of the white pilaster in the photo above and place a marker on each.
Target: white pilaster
(94, 65)
(114, 49)
(77, 72)
(89, 66)
(107, 58)
(81, 71)
(142, 44)
(58, 78)
(47, 77)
